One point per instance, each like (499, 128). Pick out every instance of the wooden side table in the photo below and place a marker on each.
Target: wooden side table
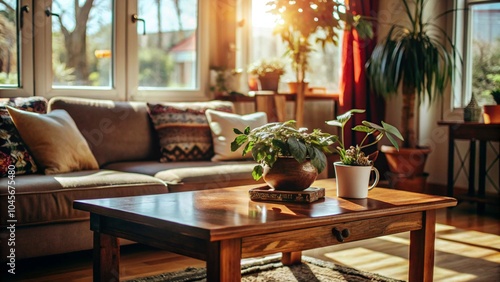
(473, 132)
(274, 103)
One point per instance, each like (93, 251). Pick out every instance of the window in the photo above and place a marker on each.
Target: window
(481, 52)
(167, 44)
(16, 63)
(82, 39)
(325, 64)
(94, 48)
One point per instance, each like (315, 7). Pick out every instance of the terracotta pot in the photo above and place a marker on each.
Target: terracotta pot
(289, 175)
(293, 86)
(406, 161)
(491, 114)
(270, 81)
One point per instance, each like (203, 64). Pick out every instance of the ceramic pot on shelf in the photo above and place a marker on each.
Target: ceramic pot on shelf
(287, 174)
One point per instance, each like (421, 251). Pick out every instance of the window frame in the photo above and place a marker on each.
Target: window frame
(125, 65)
(462, 32)
(25, 58)
(201, 90)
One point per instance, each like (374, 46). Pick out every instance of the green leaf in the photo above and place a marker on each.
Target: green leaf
(257, 172)
(318, 158)
(247, 130)
(362, 128)
(297, 149)
(392, 130)
(238, 141)
(237, 131)
(248, 148)
(334, 123)
(393, 141)
(280, 144)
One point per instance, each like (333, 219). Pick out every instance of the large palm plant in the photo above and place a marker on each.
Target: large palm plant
(420, 56)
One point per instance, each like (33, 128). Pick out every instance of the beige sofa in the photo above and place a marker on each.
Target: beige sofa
(125, 144)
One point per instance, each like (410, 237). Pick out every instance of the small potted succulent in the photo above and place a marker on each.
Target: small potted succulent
(289, 158)
(268, 72)
(354, 168)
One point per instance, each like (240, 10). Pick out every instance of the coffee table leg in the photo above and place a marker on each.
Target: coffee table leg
(106, 258)
(290, 258)
(224, 261)
(422, 249)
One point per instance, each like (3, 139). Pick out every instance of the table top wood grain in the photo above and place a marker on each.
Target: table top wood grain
(227, 213)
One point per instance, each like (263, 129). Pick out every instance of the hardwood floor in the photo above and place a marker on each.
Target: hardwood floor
(467, 249)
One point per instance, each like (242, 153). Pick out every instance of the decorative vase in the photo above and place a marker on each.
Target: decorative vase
(287, 174)
(491, 114)
(353, 181)
(472, 112)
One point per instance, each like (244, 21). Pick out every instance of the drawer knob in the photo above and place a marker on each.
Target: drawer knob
(340, 235)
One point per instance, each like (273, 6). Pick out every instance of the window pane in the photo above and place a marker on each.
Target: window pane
(167, 44)
(324, 64)
(82, 43)
(9, 43)
(485, 51)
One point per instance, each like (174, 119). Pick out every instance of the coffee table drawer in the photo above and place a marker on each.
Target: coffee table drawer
(321, 236)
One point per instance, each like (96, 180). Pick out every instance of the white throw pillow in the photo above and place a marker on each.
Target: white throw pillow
(222, 124)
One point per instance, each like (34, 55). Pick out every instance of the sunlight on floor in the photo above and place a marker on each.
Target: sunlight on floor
(483, 247)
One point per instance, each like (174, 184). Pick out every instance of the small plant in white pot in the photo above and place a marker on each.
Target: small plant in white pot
(354, 168)
(288, 158)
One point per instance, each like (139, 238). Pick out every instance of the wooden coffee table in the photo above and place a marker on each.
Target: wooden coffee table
(222, 226)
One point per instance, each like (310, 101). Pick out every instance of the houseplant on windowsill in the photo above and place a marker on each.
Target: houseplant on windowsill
(416, 57)
(289, 158)
(354, 168)
(268, 72)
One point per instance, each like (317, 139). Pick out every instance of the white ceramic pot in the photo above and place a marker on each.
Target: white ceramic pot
(354, 181)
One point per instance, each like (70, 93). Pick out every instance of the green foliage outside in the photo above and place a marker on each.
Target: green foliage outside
(486, 70)
(155, 68)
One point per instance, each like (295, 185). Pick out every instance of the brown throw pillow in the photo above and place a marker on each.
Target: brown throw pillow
(183, 129)
(54, 141)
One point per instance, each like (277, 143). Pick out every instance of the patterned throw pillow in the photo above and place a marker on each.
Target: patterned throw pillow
(13, 151)
(183, 129)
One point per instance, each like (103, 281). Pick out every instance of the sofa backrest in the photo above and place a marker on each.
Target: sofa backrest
(115, 130)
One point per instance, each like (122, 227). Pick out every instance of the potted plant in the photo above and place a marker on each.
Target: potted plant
(354, 168)
(299, 21)
(268, 72)
(416, 57)
(289, 158)
(492, 112)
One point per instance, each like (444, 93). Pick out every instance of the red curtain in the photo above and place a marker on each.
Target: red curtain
(355, 92)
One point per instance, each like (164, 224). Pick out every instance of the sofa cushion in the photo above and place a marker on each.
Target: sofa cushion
(48, 199)
(222, 126)
(183, 130)
(54, 141)
(115, 131)
(13, 151)
(193, 175)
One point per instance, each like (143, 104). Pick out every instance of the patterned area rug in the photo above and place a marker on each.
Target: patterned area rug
(270, 269)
